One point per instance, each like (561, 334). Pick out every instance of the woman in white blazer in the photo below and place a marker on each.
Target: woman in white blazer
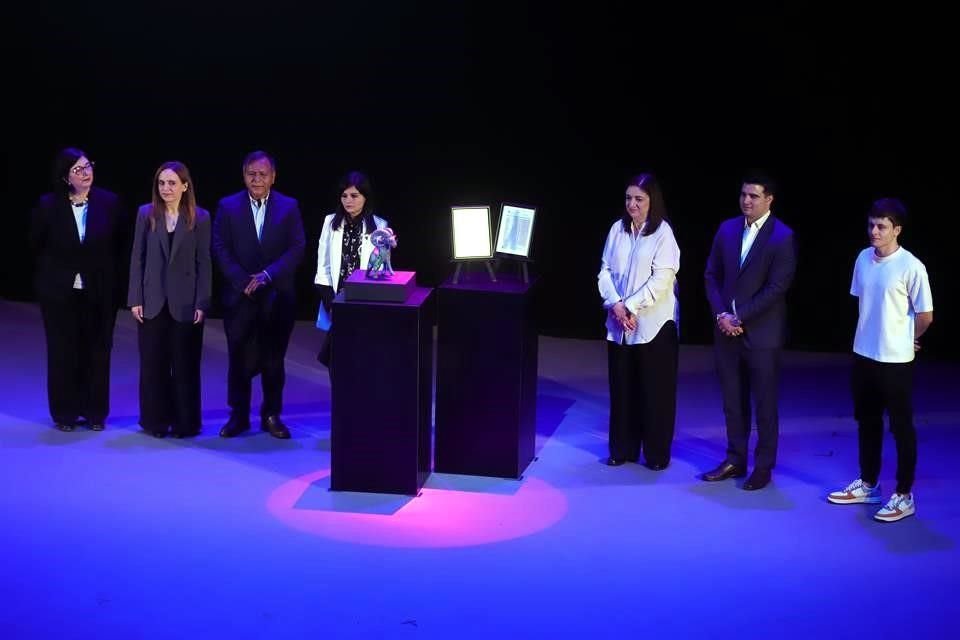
(344, 246)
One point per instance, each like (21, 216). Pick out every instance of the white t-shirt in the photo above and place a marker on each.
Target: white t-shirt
(892, 290)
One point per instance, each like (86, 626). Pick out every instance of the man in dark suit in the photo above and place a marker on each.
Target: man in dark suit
(258, 242)
(749, 270)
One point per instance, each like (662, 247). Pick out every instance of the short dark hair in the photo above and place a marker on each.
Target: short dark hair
(62, 162)
(763, 179)
(253, 156)
(891, 208)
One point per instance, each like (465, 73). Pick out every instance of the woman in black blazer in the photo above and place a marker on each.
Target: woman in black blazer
(169, 295)
(76, 236)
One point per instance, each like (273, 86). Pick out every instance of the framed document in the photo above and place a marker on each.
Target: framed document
(515, 230)
(471, 233)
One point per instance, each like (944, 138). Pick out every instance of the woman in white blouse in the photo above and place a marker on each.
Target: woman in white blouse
(637, 282)
(344, 246)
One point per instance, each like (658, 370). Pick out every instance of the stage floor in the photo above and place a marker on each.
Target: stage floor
(120, 535)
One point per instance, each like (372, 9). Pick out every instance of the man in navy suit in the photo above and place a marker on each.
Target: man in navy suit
(749, 270)
(258, 242)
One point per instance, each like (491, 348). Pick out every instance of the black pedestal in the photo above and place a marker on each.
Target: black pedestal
(381, 374)
(486, 377)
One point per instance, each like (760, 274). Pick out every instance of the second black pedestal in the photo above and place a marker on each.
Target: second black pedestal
(486, 377)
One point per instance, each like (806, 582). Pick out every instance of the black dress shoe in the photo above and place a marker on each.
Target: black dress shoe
(64, 426)
(96, 426)
(723, 472)
(275, 426)
(615, 462)
(234, 427)
(187, 433)
(656, 466)
(156, 433)
(757, 480)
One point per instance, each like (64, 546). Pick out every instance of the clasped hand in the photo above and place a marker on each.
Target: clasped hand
(729, 325)
(626, 320)
(257, 280)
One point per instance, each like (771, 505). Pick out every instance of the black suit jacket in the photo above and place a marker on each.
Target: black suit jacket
(60, 255)
(759, 286)
(240, 254)
(178, 274)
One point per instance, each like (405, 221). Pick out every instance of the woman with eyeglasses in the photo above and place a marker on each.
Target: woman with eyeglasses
(76, 237)
(169, 295)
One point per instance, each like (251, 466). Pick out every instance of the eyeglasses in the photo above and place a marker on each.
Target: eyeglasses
(82, 169)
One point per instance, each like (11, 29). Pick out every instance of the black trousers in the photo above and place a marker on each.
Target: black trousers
(79, 333)
(879, 387)
(643, 397)
(744, 373)
(170, 374)
(258, 333)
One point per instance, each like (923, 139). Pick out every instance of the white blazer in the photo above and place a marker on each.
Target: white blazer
(329, 257)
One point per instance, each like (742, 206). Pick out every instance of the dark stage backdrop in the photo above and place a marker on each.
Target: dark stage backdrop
(471, 102)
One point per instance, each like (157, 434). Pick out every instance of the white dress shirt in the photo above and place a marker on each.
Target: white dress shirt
(259, 208)
(80, 215)
(750, 232)
(641, 272)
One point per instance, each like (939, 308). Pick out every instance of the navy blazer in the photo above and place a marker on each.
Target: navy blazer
(178, 274)
(759, 286)
(240, 254)
(61, 256)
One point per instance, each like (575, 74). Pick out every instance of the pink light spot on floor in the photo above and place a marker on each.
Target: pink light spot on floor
(436, 518)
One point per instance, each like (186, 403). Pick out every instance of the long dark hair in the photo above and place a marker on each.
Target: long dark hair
(188, 201)
(362, 183)
(62, 162)
(647, 183)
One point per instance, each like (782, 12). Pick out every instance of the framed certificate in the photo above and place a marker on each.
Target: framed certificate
(471, 233)
(515, 230)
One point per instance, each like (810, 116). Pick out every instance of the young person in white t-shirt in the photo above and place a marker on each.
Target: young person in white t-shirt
(896, 308)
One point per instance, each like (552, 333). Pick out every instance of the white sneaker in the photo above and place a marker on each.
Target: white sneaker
(856, 492)
(898, 507)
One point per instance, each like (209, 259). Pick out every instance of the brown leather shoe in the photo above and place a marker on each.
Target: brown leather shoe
(275, 426)
(723, 472)
(234, 427)
(757, 480)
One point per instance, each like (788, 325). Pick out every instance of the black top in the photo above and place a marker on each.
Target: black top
(350, 252)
